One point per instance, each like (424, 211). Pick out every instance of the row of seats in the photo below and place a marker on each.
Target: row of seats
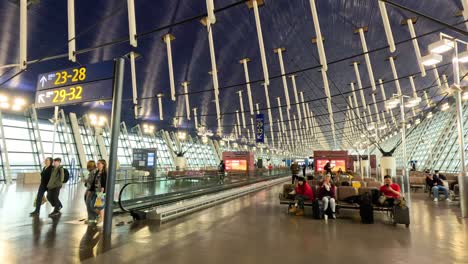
(366, 183)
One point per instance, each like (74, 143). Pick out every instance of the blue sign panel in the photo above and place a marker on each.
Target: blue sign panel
(88, 83)
(260, 128)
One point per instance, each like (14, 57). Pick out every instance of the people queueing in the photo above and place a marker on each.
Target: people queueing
(96, 186)
(54, 185)
(45, 177)
(436, 185)
(391, 191)
(294, 171)
(302, 193)
(327, 194)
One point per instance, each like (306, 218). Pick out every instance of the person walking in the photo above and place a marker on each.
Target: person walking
(294, 171)
(97, 185)
(45, 177)
(54, 185)
(221, 171)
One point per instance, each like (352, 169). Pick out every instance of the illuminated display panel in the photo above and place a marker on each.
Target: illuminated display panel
(335, 164)
(236, 165)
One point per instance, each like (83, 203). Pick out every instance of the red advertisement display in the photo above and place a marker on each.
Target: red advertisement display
(238, 160)
(335, 164)
(236, 165)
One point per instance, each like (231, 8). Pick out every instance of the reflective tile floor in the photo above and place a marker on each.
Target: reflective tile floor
(251, 229)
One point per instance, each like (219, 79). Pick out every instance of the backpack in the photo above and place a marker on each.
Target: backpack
(66, 175)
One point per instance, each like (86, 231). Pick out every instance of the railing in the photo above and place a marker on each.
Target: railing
(146, 194)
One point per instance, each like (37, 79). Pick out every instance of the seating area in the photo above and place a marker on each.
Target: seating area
(342, 193)
(417, 181)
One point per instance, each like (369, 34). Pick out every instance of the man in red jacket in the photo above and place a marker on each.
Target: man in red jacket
(303, 192)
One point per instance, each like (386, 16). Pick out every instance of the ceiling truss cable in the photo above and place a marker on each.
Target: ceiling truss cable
(254, 4)
(296, 96)
(410, 23)
(71, 30)
(187, 102)
(280, 51)
(132, 57)
(270, 117)
(387, 27)
(247, 81)
(195, 117)
(132, 33)
(214, 72)
(321, 49)
(23, 57)
(167, 39)
(395, 74)
(367, 58)
(241, 104)
(358, 79)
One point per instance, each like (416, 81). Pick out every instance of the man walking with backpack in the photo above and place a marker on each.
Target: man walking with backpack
(55, 183)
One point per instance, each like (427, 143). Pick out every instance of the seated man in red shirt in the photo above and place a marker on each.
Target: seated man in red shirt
(390, 190)
(302, 193)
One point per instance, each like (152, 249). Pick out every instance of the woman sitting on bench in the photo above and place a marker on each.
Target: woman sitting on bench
(302, 193)
(327, 195)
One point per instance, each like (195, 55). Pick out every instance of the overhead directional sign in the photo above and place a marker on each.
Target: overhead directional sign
(260, 128)
(93, 82)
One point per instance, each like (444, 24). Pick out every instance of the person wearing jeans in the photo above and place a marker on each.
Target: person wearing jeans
(327, 195)
(96, 184)
(302, 193)
(437, 185)
(54, 185)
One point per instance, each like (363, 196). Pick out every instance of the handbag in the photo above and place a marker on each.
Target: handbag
(382, 199)
(100, 200)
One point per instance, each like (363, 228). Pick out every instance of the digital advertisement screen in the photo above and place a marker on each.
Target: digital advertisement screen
(335, 164)
(236, 165)
(150, 159)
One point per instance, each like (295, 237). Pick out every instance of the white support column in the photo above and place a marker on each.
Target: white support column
(167, 39)
(270, 117)
(410, 22)
(71, 30)
(367, 58)
(132, 56)
(395, 74)
(238, 122)
(195, 117)
(187, 102)
(241, 104)
(361, 90)
(161, 114)
(4, 152)
(132, 23)
(387, 27)
(75, 127)
(247, 81)
(318, 33)
(254, 4)
(296, 96)
(280, 51)
(214, 72)
(23, 45)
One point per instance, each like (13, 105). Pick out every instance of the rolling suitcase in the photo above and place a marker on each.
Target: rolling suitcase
(366, 211)
(401, 215)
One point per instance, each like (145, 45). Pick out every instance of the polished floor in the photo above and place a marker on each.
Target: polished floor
(251, 229)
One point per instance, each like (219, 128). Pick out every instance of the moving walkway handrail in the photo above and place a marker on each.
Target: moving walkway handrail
(198, 191)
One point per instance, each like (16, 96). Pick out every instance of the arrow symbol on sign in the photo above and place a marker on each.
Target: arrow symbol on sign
(41, 98)
(43, 80)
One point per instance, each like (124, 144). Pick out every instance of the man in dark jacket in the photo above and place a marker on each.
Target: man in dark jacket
(54, 185)
(294, 171)
(437, 185)
(45, 177)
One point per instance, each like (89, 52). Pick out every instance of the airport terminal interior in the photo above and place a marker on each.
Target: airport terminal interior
(233, 131)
